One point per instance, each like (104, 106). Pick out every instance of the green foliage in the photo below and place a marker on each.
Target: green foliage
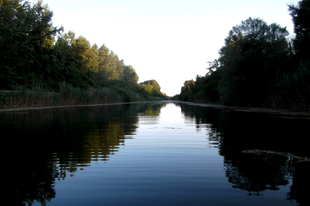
(152, 87)
(176, 97)
(22, 97)
(75, 95)
(79, 73)
(5, 97)
(208, 87)
(144, 95)
(130, 76)
(188, 85)
(67, 95)
(257, 67)
(204, 89)
(292, 90)
(300, 16)
(253, 54)
(26, 36)
(186, 90)
(127, 95)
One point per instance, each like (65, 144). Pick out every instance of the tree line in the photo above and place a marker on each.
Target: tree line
(259, 66)
(35, 54)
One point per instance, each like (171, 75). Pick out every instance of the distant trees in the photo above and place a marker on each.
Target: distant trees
(259, 66)
(186, 90)
(188, 85)
(203, 89)
(30, 55)
(152, 87)
(87, 65)
(34, 54)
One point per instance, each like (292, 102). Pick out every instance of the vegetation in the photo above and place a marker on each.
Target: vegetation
(259, 66)
(38, 57)
(153, 88)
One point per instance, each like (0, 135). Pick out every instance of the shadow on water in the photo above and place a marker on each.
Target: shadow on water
(235, 132)
(41, 146)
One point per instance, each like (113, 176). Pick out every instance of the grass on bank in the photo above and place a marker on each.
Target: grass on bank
(69, 95)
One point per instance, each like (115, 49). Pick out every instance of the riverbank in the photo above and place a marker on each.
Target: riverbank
(276, 112)
(68, 95)
(21, 109)
(284, 113)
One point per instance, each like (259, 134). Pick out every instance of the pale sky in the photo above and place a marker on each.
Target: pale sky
(167, 40)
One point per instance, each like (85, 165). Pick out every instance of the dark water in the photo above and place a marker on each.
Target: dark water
(151, 154)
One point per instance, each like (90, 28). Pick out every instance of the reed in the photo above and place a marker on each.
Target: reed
(67, 95)
(25, 98)
(70, 95)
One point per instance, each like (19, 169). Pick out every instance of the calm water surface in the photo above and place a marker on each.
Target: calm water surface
(162, 153)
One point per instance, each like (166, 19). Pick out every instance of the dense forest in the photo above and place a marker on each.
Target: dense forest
(259, 66)
(42, 65)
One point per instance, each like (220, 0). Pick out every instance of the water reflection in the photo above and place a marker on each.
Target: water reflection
(151, 115)
(235, 132)
(42, 146)
(39, 148)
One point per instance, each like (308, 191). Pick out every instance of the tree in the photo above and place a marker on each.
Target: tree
(213, 66)
(103, 58)
(187, 90)
(110, 67)
(297, 82)
(129, 76)
(188, 86)
(152, 87)
(26, 36)
(114, 72)
(301, 16)
(254, 53)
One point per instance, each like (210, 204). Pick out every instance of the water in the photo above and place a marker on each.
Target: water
(162, 153)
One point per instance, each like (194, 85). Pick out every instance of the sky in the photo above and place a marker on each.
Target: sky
(170, 41)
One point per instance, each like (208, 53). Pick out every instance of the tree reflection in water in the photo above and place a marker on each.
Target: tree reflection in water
(235, 132)
(45, 145)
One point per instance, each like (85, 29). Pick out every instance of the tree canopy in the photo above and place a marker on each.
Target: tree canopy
(259, 66)
(254, 53)
(301, 18)
(26, 38)
(35, 54)
(152, 87)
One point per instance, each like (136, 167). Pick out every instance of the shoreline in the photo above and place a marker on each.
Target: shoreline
(18, 109)
(284, 113)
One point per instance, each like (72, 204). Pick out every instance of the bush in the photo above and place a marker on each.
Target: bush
(291, 90)
(68, 95)
(26, 97)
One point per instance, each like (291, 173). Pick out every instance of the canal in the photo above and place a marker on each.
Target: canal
(158, 153)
